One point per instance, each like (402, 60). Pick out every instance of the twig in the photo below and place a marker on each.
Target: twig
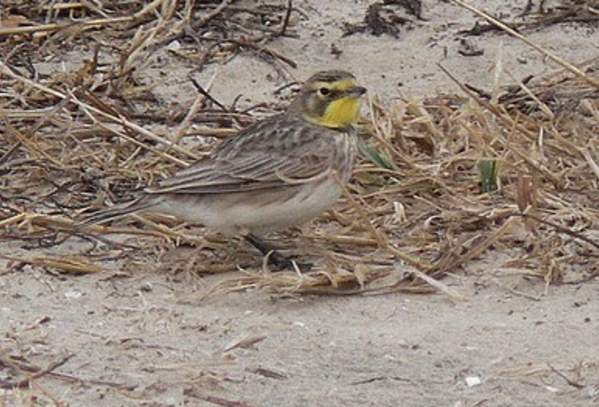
(517, 292)
(55, 27)
(219, 9)
(444, 288)
(286, 19)
(560, 61)
(222, 402)
(563, 376)
(247, 43)
(7, 384)
(561, 229)
(206, 94)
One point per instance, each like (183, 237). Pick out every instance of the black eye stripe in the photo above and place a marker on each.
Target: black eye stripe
(330, 93)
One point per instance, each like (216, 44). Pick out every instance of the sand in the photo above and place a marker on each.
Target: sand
(146, 337)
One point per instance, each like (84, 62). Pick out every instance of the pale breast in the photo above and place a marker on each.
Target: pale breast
(345, 154)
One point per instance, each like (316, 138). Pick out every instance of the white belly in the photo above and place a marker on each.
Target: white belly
(256, 211)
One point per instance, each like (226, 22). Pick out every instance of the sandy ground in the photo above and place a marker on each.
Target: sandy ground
(147, 332)
(144, 337)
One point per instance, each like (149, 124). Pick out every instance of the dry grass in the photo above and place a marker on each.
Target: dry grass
(442, 183)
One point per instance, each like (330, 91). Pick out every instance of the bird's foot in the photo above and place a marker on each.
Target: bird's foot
(275, 258)
(282, 262)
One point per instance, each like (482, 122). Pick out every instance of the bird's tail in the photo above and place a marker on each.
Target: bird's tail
(119, 211)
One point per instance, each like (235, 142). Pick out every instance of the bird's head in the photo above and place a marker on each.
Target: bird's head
(329, 99)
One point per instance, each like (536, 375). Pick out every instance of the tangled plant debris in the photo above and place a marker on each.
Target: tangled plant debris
(511, 170)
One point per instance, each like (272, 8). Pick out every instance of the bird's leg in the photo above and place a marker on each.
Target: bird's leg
(274, 256)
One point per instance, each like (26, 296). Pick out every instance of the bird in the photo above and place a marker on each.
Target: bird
(279, 172)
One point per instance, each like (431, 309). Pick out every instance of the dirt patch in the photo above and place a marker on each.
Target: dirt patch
(111, 318)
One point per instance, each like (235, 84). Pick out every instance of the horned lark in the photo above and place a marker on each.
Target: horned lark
(278, 172)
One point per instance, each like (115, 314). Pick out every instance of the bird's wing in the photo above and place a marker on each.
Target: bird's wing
(271, 153)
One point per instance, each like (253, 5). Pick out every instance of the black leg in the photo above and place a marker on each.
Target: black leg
(275, 257)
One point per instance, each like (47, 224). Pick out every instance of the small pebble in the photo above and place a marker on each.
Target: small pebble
(146, 287)
(472, 381)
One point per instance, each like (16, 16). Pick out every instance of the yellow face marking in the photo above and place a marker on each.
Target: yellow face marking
(345, 84)
(341, 85)
(341, 112)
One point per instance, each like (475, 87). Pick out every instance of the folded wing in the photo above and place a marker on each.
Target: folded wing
(263, 156)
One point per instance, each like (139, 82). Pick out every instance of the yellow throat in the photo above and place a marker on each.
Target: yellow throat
(341, 113)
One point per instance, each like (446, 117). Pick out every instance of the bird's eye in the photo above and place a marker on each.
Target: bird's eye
(324, 91)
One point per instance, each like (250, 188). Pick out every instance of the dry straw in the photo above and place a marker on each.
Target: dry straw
(442, 183)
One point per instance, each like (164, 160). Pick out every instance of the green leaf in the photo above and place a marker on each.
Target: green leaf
(374, 156)
(488, 175)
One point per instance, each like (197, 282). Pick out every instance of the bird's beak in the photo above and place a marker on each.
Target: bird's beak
(356, 91)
